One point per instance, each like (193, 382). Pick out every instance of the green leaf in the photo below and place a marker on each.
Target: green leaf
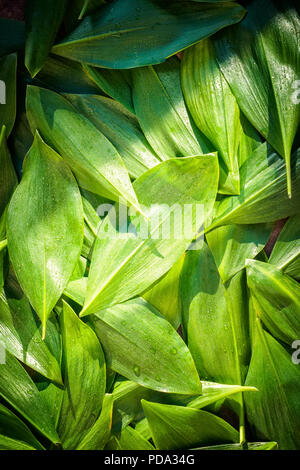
(12, 427)
(48, 203)
(263, 197)
(257, 57)
(214, 109)
(170, 188)
(277, 300)
(8, 177)
(231, 245)
(64, 76)
(115, 83)
(213, 392)
(17, 388)
(84, 378)
(21, 334)
(249, 446)
(8, 91)
(160, 108)
(286, 252)
(164, 295)
(121, 128)
(130, 439)
(274, 411)
(12, 35)
(6, 443)
(43, 20)
(99, 434)
(78, 141)
(215, 319)
(176, 427)
(133, 33)
(140, 344)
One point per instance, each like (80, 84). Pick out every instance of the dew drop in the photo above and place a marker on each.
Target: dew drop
(137, 370)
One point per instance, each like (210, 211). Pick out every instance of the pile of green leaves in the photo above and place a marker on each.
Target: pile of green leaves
(117, 342)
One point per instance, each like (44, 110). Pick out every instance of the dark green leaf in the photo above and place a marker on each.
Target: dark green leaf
(133, 33)
(8, 92)
(43, 20)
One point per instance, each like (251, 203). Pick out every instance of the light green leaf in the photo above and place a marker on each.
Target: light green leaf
(214, 109)
(8, 92)
(231, 245)
(48, 204)
(277, 300)
(176, 427)
(21, 334)
(215, 319)
(160, 108)
(274, 411)
(42, 20)
(84, 378)
(17, 388)
(263, 198)
(286, 252)
(164, 295)
(78, 141)
(166, 192)
(140, 344)
(133, 33)
(99, 434)
(8, 177)
(121, 128)
(257, 57)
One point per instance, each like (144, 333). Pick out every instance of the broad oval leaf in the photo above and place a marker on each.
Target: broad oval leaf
(94, 160)
(140, 344)
(121, 128)
(84, 378)
(257, 57)
(178, 186)
(176, 427)
(133, 33)
(48, 203)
